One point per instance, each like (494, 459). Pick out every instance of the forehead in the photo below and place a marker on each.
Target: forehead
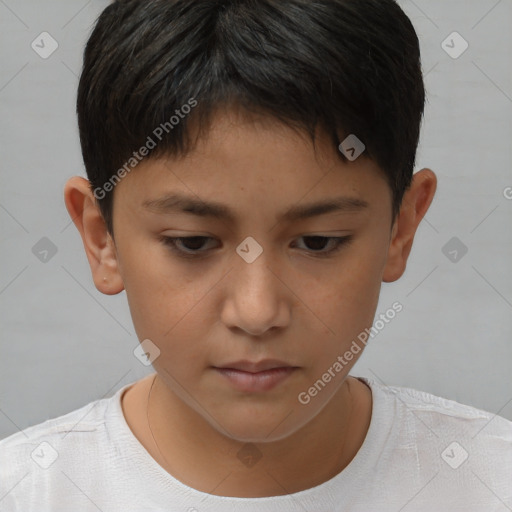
(254, 159)
(237, 133)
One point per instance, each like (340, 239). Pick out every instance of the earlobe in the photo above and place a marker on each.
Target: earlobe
(415, 203)
(98, 244)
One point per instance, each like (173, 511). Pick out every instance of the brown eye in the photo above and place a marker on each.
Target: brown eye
(187, 247)
(316, 244)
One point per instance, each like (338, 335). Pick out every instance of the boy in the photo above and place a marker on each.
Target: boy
(250, 187)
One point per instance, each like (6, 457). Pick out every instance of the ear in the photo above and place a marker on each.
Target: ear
(415, 204)
(98, 244)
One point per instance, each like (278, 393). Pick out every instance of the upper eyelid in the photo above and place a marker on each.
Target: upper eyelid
(323, 234)
(314, 235)
(171, 241)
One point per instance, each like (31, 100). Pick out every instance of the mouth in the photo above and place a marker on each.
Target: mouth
(254, 377)
(255, 367)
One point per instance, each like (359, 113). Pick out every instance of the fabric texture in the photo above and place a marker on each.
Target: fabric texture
(421, 453)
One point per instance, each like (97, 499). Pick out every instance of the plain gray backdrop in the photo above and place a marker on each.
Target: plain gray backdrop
(64, 344)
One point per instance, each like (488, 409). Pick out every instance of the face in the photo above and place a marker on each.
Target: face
(256, 284)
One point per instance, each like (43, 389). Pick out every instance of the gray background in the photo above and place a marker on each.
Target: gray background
(64, 344)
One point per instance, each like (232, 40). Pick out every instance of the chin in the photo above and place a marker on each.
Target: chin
(261, 427)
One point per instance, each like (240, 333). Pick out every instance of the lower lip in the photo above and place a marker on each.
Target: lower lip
(256, 382)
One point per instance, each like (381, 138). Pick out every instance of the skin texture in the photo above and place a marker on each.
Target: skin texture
(288, 304)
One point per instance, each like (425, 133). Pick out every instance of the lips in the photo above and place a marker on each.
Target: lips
(255, 367)
(256, 377)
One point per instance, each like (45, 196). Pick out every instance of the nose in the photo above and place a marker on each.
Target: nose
(256, 299)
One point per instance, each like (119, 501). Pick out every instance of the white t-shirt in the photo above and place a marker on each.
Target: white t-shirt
(421, 453)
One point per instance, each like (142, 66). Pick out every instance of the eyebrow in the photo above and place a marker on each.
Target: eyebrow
(179, 203)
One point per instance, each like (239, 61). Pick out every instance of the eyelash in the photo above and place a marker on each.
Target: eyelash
(170, 242)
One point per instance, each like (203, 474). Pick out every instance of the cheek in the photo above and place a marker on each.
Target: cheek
(161, 293)
(346, 297)
(165, 310)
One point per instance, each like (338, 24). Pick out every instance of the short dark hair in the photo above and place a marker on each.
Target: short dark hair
(347, 66)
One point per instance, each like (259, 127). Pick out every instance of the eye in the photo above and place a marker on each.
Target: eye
(193, 246)
(318, 242)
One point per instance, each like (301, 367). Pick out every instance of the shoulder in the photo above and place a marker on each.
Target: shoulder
(86, 419)
(465, 444)
(34, 458)
(444, 415)
(456, 453)
(444, 411)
